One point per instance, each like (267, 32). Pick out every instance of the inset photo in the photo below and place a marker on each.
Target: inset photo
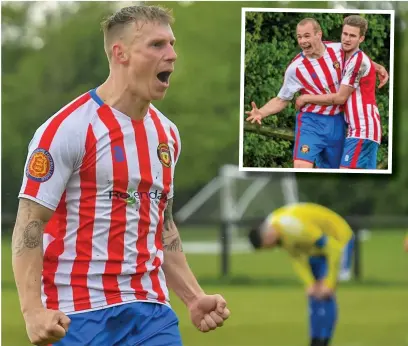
(316, 90)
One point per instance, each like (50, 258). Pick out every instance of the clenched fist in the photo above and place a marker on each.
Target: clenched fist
(46, 326)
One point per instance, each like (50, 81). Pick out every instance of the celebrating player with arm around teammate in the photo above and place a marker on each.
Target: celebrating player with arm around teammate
(95, 247)
(357, 92)
(314, 237)
(319, 129)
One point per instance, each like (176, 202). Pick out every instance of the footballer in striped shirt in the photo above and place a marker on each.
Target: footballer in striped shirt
(319, 133)
(95, 247)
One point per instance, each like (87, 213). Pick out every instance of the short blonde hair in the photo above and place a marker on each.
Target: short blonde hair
(358, 22)
(114, 25)
(315, 23)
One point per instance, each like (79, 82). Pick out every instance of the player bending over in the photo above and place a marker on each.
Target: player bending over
(314, 237)
(357, 92)
(95, 238)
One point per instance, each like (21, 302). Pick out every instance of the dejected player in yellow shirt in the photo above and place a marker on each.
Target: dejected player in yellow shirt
(314, 236)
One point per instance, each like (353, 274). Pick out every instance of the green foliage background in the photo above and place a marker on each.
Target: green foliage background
(270, 45)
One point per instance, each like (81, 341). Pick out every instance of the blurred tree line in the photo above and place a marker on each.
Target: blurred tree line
(47, 64)
(270, 45)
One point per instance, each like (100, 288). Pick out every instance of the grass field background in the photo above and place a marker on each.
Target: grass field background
(268, 306)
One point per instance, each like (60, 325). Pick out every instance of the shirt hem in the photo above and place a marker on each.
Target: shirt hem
(112, 305)
(369, 139)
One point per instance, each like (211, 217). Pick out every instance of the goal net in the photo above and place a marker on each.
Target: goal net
(235, 200)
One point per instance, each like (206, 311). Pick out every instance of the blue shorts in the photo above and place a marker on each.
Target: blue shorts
(319, 139)
(360, 153)
(131, 324)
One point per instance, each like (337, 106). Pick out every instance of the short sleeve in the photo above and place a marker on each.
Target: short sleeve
(53, 155)
(355, 69)
(291, 84)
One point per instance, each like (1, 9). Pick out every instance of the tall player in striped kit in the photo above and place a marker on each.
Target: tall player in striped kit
(357, 93)
(94, 237)
(320, 130)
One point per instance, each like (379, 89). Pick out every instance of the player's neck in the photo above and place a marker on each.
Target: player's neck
(319, 53)
(120, 98)
(349, 54)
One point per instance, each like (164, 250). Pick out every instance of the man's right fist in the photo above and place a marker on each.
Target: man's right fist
(46, 326)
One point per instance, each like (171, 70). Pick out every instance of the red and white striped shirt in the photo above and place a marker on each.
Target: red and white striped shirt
(108, 178)
(315, 76)
(361, 109)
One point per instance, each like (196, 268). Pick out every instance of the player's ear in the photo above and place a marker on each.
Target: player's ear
(119, 53)
(362, 38)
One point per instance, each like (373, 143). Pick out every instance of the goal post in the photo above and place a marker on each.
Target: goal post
(236, 200)
(231, 201)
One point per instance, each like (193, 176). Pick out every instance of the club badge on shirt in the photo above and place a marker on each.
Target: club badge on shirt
(40, 166)
(163, 153)
(305, 149)
(336, 65)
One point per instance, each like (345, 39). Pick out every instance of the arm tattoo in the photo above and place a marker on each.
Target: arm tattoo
(168, 214)
(174, 246)
(170, 236)
(31, 238)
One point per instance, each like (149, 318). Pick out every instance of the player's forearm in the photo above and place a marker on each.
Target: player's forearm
(303, 271)
(179, 276)
(27, 258)
(324, 100)
(378, 67)
(274, 106)
(333, 251)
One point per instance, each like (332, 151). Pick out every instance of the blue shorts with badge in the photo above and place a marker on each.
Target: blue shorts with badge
(319, 139)
(360, 153)
(131, 324)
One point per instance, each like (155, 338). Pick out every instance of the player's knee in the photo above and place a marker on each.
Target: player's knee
(302, 164)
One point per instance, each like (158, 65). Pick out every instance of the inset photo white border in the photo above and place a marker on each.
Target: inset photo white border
(242, 89)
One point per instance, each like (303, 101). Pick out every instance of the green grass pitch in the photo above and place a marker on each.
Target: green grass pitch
(268, 306)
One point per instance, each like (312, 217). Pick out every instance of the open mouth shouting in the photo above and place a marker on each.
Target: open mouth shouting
(164, 77)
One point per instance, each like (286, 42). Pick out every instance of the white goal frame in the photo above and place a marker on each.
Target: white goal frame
(231, 208)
